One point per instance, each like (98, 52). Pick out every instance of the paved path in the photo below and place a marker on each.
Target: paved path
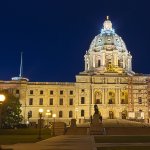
(63, 142)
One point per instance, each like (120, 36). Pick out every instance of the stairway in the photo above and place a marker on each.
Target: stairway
(77, 131)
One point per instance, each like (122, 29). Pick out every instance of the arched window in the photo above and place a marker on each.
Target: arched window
(124, 97)
(111, 97)
(98, 97)
(70, 114)
(60, 114)
(82, 113)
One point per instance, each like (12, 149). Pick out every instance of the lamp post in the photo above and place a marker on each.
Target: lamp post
(40, 122)
(54, 116)
(48, 113)
(2, 99)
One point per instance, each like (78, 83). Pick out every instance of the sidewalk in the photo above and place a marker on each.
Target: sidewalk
(63, 142)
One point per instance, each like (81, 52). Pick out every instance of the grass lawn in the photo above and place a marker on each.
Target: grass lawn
(125, 148)
(122, 139)
(11, 136)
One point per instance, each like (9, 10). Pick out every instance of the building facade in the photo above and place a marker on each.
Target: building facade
(107, 80)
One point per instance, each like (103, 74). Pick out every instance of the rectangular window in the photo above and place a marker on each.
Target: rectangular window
(60, 114)
(70, 101)
(140, 100)
(51, 101)
(70, 114)
(30, 101)
(61, 101)
(82, 100)
(99, 63)
(51, 92)
(41, 92)
(71, 92)
(122, 101)
(82, 113)
(17, 91)
(30, 114)
(61, 92)
(31, 92)
(41, 101)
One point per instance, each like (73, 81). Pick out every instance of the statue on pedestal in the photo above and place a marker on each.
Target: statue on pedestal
(96, 126)
(97, 118)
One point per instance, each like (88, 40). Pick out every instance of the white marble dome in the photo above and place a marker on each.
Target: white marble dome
(108, 53)
(107, 39)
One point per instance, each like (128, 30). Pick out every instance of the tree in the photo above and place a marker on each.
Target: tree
(10, 111)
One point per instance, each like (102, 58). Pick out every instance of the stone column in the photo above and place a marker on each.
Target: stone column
(123, 61)
(103, 96)
(114, 59)
(129, 63)
(116, 96)
(119, 96)
(85, 60)
(93, 61)
(103, 58)
(106, 100)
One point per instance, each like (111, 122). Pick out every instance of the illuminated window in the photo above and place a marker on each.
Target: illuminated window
(30, 101)
(41, 101)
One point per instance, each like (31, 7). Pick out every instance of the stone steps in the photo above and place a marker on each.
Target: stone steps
(77, 131)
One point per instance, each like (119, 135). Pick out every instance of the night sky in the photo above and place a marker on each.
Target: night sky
(54, 35)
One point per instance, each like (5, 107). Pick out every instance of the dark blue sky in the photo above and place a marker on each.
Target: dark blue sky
(54, 35)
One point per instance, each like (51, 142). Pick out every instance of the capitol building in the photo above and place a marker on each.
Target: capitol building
(107, 80)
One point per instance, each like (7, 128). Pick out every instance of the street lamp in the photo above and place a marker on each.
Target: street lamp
(54, 116)
(48, 113)
(2, 99)
(40, 122)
